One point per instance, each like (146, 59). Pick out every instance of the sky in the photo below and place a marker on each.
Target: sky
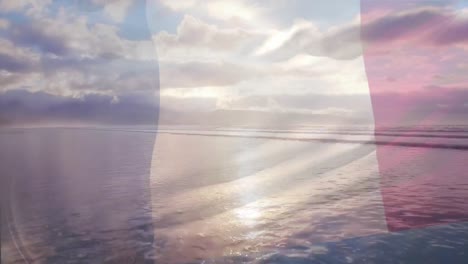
(232, 62)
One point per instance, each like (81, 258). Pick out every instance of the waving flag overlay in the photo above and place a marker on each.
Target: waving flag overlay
(308, 122)
(335, 120)
(415, 62)
(298, 131)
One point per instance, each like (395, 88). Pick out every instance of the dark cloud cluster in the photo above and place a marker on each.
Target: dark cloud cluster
(11, 63)
(33, 35)
(20, 106)
(397, 25)
(456, 32)
(435, 26)
(24, 107)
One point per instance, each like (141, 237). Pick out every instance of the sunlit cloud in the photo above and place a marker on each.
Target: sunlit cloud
(229, 50)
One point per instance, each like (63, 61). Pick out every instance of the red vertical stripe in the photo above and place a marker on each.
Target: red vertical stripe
(404, 66)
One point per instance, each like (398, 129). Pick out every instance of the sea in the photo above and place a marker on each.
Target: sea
(188, 194)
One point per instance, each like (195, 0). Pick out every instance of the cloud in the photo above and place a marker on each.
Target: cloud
(223, 10)
(196, 39)
(221, 62)
(440, 26)
(70, 34)
(116, 9)
(31, 7)
(15, 59)
(74, 75)
(102, 75)
(402, 24)
(456, 32)
(12, 64)
(199, 74)
(341, 43)
(427, 107)
(172, 104)
(4, 24)
(413, 49)
(180, 4)
(200, 55)
(23, 107)
(17, 66)
(312, 103)
(423, 25)
(61, 64)
(34, 35)
(194, 32)
(67, 54)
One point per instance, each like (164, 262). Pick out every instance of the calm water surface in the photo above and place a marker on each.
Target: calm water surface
(220, 196)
